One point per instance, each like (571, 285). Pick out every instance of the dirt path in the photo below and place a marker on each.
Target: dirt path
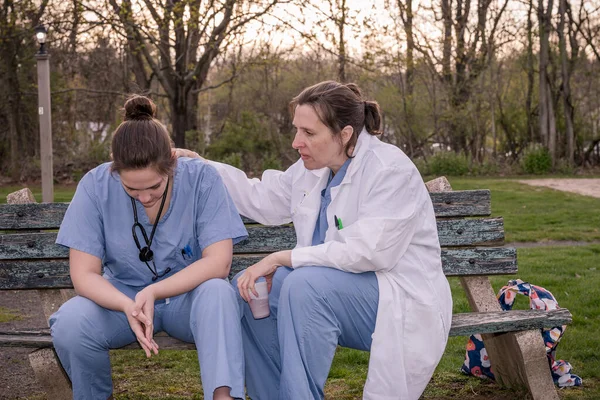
(17, 380)
(586, 187)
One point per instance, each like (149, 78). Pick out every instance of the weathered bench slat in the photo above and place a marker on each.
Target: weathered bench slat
(479, 261)
(42, 274)
(464, 203)
(455, 262)
(465, 324)
(462, 325)
(462, 232)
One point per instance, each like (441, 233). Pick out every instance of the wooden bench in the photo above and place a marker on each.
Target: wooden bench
(471, 249)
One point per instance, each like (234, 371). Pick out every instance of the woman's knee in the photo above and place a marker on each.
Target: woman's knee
(71, 325)
(304, 286)
(213, 293)
(214, 297)
(215, 287)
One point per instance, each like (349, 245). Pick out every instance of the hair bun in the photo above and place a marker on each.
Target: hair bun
(139, 107)
(355, 89)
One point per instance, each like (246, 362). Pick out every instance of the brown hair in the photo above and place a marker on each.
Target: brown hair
(141, 140)
(339, 105)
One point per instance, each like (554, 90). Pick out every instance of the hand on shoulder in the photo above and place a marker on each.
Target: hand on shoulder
(177, 152)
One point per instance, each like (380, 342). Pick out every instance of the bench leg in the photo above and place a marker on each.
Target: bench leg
(50, 374)
(52, 299)
(46, 366)
(518, 358)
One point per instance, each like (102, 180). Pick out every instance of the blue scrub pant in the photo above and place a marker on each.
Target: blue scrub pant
(208, 316)
(313, 309)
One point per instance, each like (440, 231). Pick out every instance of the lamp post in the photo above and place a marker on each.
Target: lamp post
(43, 70)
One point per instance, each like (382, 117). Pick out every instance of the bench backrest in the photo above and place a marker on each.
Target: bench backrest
(29, 258)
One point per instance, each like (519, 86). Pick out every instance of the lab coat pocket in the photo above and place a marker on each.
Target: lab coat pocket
(425, 341)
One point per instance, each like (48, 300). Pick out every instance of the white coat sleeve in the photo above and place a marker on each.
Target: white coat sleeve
(266, 200)
(388, 217)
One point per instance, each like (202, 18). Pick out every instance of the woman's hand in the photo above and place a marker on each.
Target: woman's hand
(265, 267)
(138, 323)
(177, 152)
(143, 311)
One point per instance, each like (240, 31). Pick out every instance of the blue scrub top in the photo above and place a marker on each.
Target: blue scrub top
(322, 225)
(100, 217)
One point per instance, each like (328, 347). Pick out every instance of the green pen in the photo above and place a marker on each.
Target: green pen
(338, 222)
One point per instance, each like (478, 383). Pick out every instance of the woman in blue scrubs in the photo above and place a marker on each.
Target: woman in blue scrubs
(150, 240)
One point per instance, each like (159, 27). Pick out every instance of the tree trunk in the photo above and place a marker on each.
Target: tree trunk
(492, 102)
(566, 83)
(410, 47)
(530, 74)
(342, 45)
(14, 119)
(184, 112)
(447, 46)
(407, 86)
(461, 89)
(546, 108)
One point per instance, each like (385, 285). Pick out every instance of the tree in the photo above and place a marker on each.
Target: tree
(17, 20)
(405, 11)
(466, 46)
(567, 66)
(547, 115)
(530, 71)
(176, 43)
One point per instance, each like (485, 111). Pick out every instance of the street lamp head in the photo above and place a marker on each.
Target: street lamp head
(40, 35)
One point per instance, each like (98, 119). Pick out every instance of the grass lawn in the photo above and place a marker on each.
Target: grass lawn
(62, 193)
(7, 315)
(572, 274)
(536, 214)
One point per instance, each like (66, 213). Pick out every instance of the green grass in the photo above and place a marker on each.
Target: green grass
(536, 214)
(62, 193)
(172, 374)
(7, 315)
(572, 274)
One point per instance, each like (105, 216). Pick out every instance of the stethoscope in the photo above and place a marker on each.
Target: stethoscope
(146, 254)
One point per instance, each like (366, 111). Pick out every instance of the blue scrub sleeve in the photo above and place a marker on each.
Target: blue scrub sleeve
(82, 227)
(219, 218)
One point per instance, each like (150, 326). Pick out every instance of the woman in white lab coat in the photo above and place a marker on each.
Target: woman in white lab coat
(366, 271)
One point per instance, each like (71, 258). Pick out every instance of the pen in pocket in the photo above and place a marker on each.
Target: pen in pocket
(186, 252)
(338, 222)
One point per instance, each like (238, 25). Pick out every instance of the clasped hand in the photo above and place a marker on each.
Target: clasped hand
(140, 315)
(265, 267)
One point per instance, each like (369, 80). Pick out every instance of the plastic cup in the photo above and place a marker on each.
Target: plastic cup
(260, 305)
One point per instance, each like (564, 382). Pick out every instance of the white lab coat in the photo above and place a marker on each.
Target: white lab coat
(388, 227)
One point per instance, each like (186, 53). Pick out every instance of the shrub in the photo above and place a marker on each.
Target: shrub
(245, 143)
(486, 168)
(536, 160)
(421, 166)
(233, 159)
(271, 161)
(563, 167)
(448, 163)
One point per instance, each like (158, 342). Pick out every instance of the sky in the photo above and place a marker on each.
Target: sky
(384, 21)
